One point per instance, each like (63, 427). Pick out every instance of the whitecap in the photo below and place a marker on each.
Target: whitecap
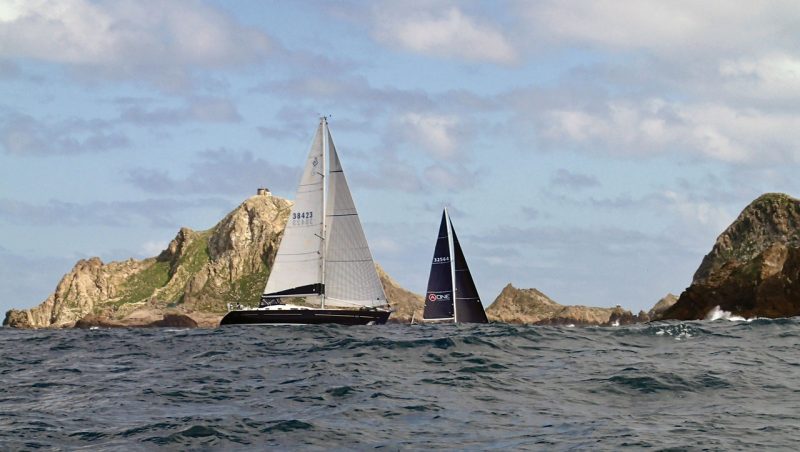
(718, 314)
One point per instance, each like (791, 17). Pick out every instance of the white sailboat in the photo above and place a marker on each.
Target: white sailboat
(323, 258)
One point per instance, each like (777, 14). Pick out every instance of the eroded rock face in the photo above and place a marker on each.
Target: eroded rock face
(515, 305)
(753, 269)
(198, 272)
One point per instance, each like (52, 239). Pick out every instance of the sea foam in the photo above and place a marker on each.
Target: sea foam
(718, 314)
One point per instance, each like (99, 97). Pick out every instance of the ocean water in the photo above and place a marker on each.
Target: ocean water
(719, 385)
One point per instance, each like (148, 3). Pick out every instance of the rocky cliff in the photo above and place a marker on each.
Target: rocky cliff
(197, 275)
(515, 305)
(753, 270)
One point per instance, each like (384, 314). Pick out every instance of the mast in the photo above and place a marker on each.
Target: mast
(452, 264)
(325, 146)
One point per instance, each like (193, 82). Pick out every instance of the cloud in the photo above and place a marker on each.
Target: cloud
(701, 80)
(24, 135)
(196, 110)
(220, 171)
(531, 213)
(352, 92)
(707, 214)
(437, 134)
(568, 179)
(389, 173)
(451, 177)
(656, 126)
(153, 212)
(773, 78)
(664, 28)
(127, 39)
(446, 33)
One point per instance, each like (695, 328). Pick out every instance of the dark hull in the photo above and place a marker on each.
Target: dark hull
(305, 317)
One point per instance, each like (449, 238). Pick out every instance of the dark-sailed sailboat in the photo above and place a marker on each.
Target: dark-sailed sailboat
(323, 259)
(451, 295)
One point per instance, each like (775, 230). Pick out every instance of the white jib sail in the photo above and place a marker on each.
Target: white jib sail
(350, 275)
(298, 263)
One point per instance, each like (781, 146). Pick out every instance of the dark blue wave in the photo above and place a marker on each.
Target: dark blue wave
(669, 385)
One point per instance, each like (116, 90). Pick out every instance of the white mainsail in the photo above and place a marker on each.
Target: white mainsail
(297, 270)
(350, 275)
(329, 249)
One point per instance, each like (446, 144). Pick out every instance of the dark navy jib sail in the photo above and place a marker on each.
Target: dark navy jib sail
(451, 294)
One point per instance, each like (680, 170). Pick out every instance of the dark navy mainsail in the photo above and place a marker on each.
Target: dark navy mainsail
(439, 297)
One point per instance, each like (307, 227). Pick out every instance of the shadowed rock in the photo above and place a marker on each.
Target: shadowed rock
(169, 320)
(753, 270)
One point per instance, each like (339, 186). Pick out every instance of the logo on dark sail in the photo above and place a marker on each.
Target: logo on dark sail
(438, 297)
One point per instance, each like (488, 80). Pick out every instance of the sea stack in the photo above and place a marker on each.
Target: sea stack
(753, 270)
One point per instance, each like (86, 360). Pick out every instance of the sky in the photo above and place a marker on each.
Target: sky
(593, 150)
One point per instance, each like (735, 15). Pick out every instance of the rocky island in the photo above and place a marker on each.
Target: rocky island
(188, 284)
(192, 281)
(753, 270)
(530, 306)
